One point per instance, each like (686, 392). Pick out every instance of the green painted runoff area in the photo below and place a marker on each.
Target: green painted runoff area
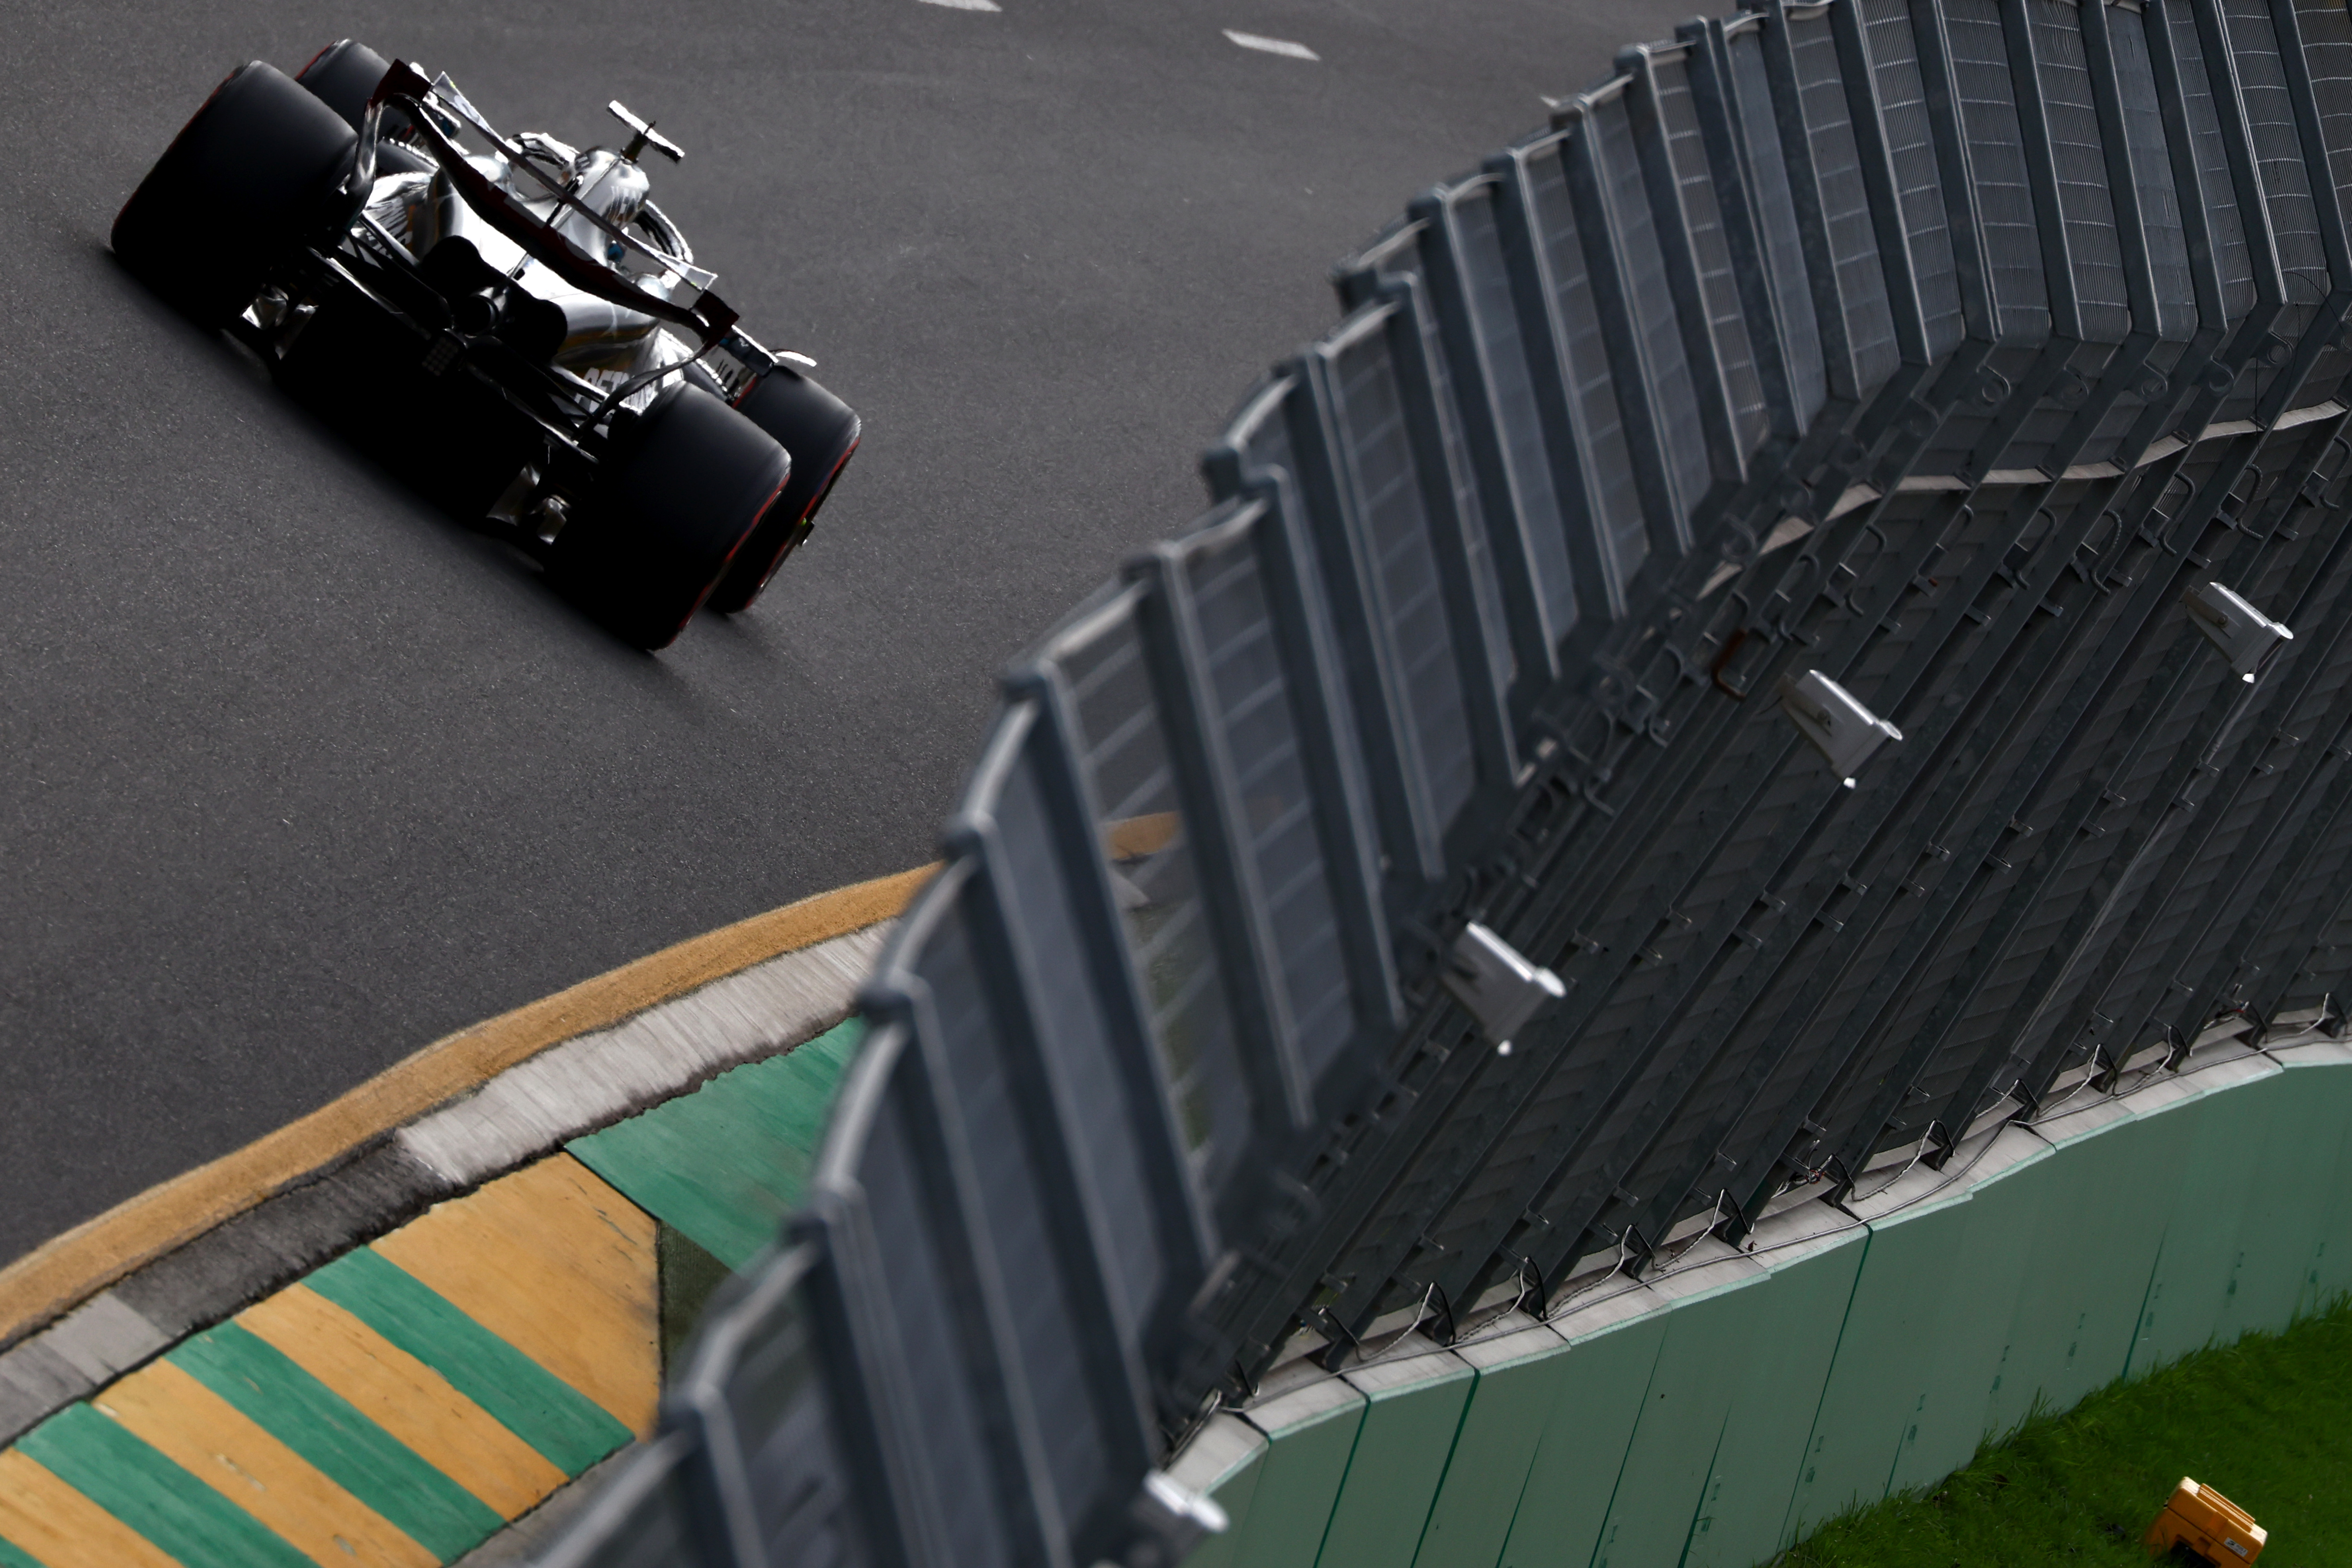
(726, 1164)
(1714, 1416)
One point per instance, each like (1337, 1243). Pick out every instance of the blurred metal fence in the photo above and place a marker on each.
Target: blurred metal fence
(1822, 573)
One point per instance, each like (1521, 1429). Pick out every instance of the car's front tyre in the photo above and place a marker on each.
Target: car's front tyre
(257, 172)
(678, 492)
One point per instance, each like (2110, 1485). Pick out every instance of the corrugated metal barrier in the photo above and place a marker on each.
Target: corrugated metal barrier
(1800, 616)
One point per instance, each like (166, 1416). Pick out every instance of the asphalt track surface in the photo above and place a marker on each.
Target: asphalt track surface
(297, 774)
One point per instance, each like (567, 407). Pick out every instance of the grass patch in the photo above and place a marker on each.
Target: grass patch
(2266, 1422)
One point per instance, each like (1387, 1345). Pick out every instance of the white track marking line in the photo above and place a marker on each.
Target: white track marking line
(1247, 40)
(966, 4)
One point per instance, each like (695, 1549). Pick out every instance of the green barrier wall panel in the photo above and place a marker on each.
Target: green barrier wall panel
(1708, 1417)
(2332, 1262)
(1412, 1410)
(1683, 1413)
(2050, 1206)
(1612, 1349)
(1965, 1355)
(2329, 1099)
(2154, 1150)
(2331, 1273)
(1871, 1403)
(1223, 1462)
(1798, 1312)
(2279, 1229)
(1518, 1365)
(2096, 1230)
(2223, 1128)
(1312, 1430)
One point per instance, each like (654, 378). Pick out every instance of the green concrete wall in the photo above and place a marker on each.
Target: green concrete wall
(1311, 1435)
(1572, 1475)
(1679, 1433)
(1802, 1307)
(1712, 1415)
(1515, 1378)
(1412, 1411)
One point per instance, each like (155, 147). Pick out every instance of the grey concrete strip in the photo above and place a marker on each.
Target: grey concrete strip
(1224, 1444)
(519, 1543)
(598, 1079)
(104, 1337)
(72, 1358)
(282, 1238)
(34, 1381)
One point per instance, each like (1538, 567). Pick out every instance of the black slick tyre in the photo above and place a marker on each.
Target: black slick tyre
(252, 175)
(343, 76)
(680, 489)
(821, 432)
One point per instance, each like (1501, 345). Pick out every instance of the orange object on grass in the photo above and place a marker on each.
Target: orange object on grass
(2208, 1524)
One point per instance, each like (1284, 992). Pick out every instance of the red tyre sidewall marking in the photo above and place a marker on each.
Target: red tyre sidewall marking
(321, 55)
(756, 519)
(802, 524)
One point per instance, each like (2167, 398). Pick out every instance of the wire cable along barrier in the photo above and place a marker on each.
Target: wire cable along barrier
(1803, 611)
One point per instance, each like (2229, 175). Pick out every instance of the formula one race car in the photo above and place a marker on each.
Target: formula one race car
(510, 322)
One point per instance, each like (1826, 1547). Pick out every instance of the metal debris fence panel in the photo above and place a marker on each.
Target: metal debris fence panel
(1909, 352)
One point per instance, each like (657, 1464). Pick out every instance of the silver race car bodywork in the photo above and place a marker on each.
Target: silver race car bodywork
(596, 207)
(603, 343)
(510, 319)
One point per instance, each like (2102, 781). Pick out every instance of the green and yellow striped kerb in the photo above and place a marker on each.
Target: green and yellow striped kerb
(394, 1408)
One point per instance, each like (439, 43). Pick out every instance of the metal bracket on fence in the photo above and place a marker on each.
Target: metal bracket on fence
(1502, 990)
(2105, 1070)
(2247, 637)
(1841, 1186)
(1838, 725)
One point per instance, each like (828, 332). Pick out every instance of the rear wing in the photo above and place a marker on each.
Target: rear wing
(643, 280)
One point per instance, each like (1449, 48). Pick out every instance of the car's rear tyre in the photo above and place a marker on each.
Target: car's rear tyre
(679, 490)
(255, 172)
(820, 432)
(343, 76)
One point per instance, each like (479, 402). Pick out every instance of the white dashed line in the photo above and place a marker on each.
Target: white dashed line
(1252, 41)
(966, 4)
